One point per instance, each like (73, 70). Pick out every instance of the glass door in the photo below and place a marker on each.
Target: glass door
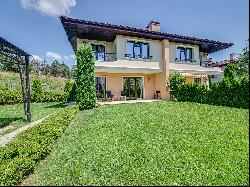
(133, 87)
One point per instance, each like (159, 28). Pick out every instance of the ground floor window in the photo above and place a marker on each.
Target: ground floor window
(133, 87)
(100, 87)
(197, 81)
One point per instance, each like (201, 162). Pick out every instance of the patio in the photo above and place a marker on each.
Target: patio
(127, 101)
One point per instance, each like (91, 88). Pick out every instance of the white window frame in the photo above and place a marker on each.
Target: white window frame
(185, 46)
(138, 40)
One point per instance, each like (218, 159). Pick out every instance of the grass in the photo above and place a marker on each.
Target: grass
(161, 143)
(13, 116)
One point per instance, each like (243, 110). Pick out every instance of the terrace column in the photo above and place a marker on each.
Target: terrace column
(165, 65)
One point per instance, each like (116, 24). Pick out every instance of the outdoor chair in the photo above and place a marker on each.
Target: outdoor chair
(109, 95)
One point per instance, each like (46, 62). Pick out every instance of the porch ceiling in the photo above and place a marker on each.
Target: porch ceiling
(127, 66)
(194, 69)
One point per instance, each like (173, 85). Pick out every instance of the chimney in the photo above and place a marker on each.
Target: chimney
(232, 56)
(153, 26)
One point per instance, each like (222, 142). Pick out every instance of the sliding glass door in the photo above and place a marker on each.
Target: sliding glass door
(100, 87)
(133, 87)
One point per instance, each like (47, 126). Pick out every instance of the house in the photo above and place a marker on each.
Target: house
(222, 65)
(137, 62)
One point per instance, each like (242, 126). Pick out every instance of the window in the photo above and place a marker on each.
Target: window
(197, 80)
(136, 49)
(184, 54)
(99, 52)
(100, 87)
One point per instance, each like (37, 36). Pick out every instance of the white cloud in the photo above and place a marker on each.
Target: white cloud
(35, 57)
(53, 55)
(66, 58)
(57, 56)
(49, 7)
(73, 57)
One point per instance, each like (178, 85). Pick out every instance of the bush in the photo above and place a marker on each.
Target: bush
(37, 90)
(85, 78)
(19, 158)
(53, 96)
(70, 90)
(231, 92)
(9, 97)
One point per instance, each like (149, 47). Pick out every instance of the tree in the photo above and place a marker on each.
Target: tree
(243, 62)
(230, 71)
(73, 72)
(59, 70)
(85, 78)
(239, 69)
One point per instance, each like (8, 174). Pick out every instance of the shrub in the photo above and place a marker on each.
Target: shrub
(37, 90)
(19, 158)
(70, 90)
(53, 96)
(85, 79)
(231, 91)
(9, 97)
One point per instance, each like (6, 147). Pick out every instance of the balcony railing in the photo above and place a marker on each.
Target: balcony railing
(105, 56)
(209, 64)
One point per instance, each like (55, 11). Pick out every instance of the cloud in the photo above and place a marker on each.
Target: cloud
(35, 57)
(49, 7)
(57, 56)
(53, 55)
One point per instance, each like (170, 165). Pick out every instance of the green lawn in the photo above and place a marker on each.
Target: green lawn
(13, 115)
(161, 143)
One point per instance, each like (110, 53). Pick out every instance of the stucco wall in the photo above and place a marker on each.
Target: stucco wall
(190, 79)
(155, 49)
(115, 83)
(109, 46)
(173, 47)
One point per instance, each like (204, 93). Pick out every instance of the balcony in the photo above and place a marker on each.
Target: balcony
(195, 69)
(105, 57)
(108, 63)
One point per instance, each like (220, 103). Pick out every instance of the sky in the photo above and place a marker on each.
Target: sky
(34, 25)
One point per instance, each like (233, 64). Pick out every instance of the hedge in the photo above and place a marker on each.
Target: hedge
(8, 97)
(70, 90)
(228, 92)
(18, 159)
(85, 78)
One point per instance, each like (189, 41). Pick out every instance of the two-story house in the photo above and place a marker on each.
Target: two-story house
(137, 62)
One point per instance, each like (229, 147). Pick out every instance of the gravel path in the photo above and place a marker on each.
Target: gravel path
(8, 137)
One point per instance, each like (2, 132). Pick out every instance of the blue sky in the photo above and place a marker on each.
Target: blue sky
(34, 26)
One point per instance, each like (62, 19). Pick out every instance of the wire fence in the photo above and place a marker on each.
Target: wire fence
(7, 84)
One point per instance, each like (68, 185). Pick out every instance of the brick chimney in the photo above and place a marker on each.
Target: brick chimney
(232, 56)
(153, 26)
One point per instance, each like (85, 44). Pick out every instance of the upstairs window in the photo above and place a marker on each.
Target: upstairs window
(99, 52)
(135, 49)
(184, 54)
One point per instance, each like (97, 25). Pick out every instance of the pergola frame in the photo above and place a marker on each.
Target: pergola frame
(9, 53)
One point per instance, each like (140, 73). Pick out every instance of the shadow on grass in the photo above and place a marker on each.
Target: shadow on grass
(59, 105)
(6, 121)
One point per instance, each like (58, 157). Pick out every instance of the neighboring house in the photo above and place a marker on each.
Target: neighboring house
(222, 65)
(137, 62)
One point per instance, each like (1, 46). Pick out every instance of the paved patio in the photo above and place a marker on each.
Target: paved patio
(128, 101)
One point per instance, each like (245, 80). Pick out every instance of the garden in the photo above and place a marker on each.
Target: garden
(189, 141)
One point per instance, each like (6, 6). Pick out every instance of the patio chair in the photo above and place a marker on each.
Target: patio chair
(123, 95)
(109, 95)
(158, 94)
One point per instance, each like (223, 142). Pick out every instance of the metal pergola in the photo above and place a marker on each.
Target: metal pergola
(9, 53)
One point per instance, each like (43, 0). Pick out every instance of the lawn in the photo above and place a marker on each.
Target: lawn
(12, 116)
(161, 143)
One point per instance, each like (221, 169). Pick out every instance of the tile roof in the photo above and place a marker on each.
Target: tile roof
(208, 46)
